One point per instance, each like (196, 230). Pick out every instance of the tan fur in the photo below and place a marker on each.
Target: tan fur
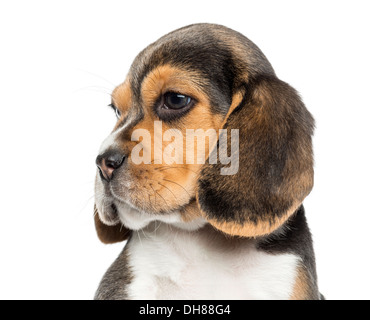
(164, 186)
(122, 98)
(190, 212)
(167, 78)
(237, 99)
(250, 229)
(301, 288)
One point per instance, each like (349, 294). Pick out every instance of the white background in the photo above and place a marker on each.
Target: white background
(59, 60)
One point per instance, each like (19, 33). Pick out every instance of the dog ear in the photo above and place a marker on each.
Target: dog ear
(110, 234)
(275, 162)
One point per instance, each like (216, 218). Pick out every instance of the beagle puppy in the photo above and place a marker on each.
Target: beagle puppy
(207, 229)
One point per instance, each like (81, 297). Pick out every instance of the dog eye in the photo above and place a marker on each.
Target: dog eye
(116, 110)
(118, 113)
(172, 106)
(176, 101)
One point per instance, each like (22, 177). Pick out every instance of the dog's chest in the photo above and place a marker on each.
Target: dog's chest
(182, 265)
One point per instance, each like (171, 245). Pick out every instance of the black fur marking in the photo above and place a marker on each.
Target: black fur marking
(115, 281)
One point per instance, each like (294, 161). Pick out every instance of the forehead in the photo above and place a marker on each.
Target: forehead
(222, 59)
(191, 50)
(187, 48)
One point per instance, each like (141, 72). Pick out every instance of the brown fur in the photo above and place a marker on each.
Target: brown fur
(276, 157)
(110, 234)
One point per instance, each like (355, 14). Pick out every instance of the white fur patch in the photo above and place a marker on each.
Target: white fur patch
(170, 263)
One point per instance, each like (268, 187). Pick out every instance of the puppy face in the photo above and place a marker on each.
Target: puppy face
(203, 78)
(153, 189)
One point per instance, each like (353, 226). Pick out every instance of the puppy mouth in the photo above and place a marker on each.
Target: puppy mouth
(108, 205)
(119, 207)
(109, 215)
(119, 201)
(114, 210)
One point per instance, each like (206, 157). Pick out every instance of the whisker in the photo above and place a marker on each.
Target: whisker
(138, 233)
(95, 89)
(162, 198)
(155, 223)
(178, 185)
(86, 203)
(172, 167)
(152, 161)
(150, 202)
(155, 196)
(95, 212)
(96, 75)
(168, 189)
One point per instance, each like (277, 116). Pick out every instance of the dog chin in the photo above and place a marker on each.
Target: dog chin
(134, 219)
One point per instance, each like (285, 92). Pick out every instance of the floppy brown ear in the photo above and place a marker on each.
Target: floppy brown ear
(275, 162)
(110, 234)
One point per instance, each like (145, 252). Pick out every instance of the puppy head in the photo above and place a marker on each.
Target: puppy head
(157, 165)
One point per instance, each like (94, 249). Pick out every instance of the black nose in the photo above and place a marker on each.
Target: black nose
(108, 162)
